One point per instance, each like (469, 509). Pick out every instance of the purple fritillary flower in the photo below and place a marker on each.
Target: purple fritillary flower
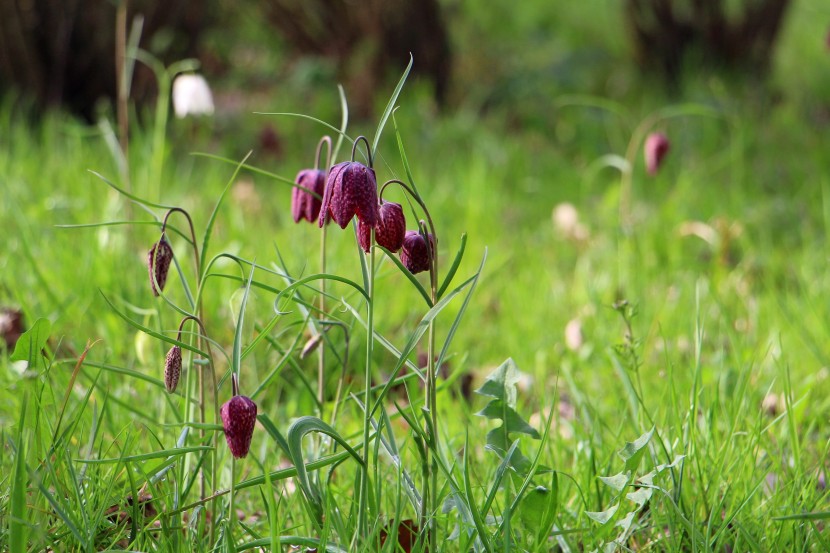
(415, 254)
(390, 231)
(305, 205)
(351, 190)
(238, 420)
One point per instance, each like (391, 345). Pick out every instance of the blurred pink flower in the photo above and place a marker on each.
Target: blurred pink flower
(656, 148)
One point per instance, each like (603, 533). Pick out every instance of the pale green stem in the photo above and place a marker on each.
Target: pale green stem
(367, 401)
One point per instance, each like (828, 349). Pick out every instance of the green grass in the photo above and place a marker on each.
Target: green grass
(718, 363)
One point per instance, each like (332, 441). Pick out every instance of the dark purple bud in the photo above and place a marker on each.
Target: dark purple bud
(238, 420)
(351, 190)
(172, 368)
(158, 264)
(305, 205)
(390, 231)
(415, 254)
(656, 148)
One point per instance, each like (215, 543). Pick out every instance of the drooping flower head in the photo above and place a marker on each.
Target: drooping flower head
(238, 421)
(158, 264)
(172, 368)
(304, 204)
(191, 96)
(351, 189)
(656, 147)
(390, 231)
(415, 254)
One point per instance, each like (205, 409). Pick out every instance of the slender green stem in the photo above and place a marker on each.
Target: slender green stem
(321, 358)
(432, 406)
(367, 396)
(232, 511)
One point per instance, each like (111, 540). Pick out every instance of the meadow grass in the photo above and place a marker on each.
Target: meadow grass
(689, 413)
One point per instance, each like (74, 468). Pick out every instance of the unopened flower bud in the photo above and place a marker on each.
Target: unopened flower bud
(656, 147)
(415, 254)
(311, 345)
(351, 190)
(390, 231)
(158, 264)
(304, 204)
(172, 368)
(238, 420)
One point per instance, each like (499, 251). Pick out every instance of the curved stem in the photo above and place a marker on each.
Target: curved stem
(192, 235)
(368, 149)
(433, 257)
(327, 141)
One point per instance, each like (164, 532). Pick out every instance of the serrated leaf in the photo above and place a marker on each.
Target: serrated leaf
(32, 341)
(501, 383)
(641, 496)
(513, 422)
(633, 451)
(616, 482)
(603, 517)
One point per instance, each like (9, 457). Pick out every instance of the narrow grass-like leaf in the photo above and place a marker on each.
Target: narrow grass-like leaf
(174, 452)
(320, 276)
(17, 507)
(310, 118)
(69, 387)
(127, 372)
(390, 106)
(169, 228)
(454, 267)
(133, 197)
(251, 168)
(311, 544)
(415, 337)
(219, 202)
(150, 331)
(344, 123)
(402, 152)
(415, 282)
(272, 430)
(296, 432)
(815, 515)
(286, 357)
(71, 524)
(483, 534)
(461, 311)
(236, 356)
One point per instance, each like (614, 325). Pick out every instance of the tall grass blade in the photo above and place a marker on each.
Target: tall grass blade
(17, 507)
(391, 106)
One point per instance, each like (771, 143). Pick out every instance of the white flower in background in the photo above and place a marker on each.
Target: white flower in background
(191, 96)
